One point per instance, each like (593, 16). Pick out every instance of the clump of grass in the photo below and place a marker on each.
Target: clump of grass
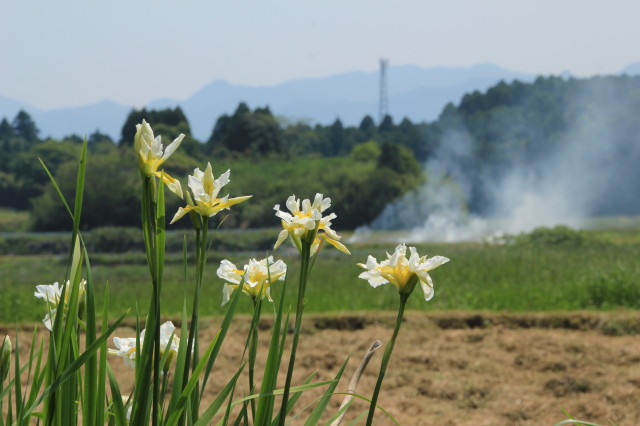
(617, 288)
(559, 236)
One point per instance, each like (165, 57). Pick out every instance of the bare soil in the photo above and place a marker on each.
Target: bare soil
(460, 368)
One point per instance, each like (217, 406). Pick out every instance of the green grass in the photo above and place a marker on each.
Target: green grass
(517, 278)
(13, 220)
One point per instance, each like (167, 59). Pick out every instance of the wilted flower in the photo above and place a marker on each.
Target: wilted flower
(258, 276)
(302, 221)
(151, 155)
(126, 347)
(205, 191)
(5, 358)
(51, 294)
(402, 272)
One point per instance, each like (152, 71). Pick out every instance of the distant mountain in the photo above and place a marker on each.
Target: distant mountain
(631, 69)
(414, 92)
(9, 107)
(105, 116)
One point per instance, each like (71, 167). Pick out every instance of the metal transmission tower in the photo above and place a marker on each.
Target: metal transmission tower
(384, 96)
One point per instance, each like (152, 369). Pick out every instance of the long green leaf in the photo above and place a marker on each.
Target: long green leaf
(182, 401)
(295, 397)
(91, 367)
(293, 389)
(74, 366)
(180, 360)
(56, 187)
(317, 412)
(272, 365)
(101, 396)
(159, 264)
(38, 376)
(6, 391)
(340, 411)
(116, 399)
(362, 415)
(77, 208)
(364, 398)
(213, 409)
(17, 386)
(224, 327)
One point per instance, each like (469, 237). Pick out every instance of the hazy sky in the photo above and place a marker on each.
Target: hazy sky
(70, 53)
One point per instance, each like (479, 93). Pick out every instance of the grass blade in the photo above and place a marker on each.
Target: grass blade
(74, 366)
(272, 365)
(213, 409)
(101, 396)
(224, 327)
(182, 401)
(295, 397)
(116, 399)
(91, 367)
(318, 411)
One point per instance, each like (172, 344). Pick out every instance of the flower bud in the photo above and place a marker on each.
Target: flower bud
(5, 358)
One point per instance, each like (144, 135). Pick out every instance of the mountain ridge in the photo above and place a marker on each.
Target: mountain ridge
(415, 92)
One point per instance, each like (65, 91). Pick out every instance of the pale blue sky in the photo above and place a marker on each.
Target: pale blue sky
(70, 53)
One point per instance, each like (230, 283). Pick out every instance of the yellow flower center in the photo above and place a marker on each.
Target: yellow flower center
(397, 275)
(304, 214)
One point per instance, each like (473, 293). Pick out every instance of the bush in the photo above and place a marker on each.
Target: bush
(619, 288)
(560, 236)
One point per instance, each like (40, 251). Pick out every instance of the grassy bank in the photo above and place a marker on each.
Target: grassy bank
(520, 277)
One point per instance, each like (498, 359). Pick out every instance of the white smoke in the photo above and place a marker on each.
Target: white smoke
(560, 187)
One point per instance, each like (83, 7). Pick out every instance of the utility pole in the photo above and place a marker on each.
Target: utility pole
(384, 96)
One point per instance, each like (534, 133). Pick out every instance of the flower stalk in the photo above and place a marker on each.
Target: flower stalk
(404, 297)
(5, 366)
(193, 347)
(404, 274)
(302, 286)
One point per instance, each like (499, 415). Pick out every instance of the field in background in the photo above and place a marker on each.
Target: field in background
(557, 270)
(13, 220)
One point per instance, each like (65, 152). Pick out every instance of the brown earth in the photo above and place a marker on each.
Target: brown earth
(460, 368)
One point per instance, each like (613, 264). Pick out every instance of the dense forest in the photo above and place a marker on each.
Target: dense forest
(581, 134)
(360, 168)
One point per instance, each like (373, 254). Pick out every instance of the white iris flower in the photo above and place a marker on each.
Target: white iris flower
(398, 270)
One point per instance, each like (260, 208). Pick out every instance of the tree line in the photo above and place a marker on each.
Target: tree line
(510, 126)
(361, 168)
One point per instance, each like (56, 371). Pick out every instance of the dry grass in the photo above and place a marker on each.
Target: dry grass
(465, 369)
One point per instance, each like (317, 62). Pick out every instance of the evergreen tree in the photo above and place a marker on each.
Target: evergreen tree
(249, 133)
(367, 128)
(6, 130)
(336, 137)
(387, 124)
(24, 127)
(172, 122)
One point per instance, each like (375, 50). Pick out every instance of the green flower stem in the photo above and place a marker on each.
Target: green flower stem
(253, 349)
(192, 344)
(1, 390)
(149, 226)
(387, 356)
(302, 285)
